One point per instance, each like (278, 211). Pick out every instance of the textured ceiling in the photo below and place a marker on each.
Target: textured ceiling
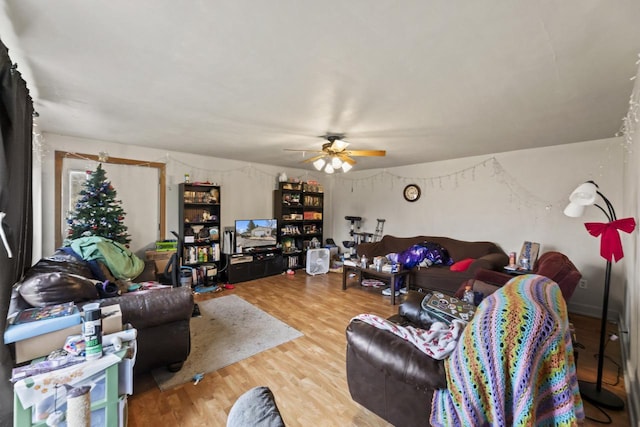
(240, 79)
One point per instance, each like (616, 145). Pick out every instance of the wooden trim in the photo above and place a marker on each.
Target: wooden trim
(61, 155)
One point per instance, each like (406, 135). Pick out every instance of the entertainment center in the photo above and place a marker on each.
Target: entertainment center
(256, 252)
(253, 265)
(257, 247)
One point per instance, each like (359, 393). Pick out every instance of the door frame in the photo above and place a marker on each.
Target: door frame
(61, 155)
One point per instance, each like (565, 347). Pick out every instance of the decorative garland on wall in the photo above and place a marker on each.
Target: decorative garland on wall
(198, 174)
(630, 121)
(38, 145)
(517, 192)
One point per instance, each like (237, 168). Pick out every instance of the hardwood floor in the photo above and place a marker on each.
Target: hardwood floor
(307, 375)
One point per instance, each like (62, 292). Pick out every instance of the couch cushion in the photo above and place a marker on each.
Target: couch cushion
(256, 407)
(55, 288)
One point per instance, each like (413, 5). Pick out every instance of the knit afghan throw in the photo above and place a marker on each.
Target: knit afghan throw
(514, 364)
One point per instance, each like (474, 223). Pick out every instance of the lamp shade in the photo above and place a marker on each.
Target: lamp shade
(336, 163)
(340, 145)
(319, 164)
(329, 168)
(574, 210)
(584, 195)
(346, 167)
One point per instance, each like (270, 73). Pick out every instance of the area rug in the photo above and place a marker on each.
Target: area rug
(229, 330)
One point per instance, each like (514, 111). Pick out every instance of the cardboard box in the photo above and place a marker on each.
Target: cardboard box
(161, 258)
(42, 345)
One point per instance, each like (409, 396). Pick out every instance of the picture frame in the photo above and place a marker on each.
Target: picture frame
(529, 252)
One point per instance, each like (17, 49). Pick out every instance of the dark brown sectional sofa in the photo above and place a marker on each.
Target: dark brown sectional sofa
(486, 255)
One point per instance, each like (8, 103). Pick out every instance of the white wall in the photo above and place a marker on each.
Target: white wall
(247, 190)
(507, 198)
(631, 317)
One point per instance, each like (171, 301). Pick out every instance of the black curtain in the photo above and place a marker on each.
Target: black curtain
(16, 120)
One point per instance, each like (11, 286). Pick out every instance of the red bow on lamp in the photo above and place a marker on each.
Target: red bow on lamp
(610, 244)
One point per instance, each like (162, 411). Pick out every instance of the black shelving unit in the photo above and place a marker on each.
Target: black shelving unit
(298, 207)
(199, 217)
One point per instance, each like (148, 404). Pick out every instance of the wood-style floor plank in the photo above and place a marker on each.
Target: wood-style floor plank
(308, 375)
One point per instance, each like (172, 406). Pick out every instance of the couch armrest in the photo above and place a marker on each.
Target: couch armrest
(494, 261)
(145, 309)
(395, 356)
(411, 310)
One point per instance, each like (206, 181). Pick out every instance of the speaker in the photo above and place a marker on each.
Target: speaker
(318, 261)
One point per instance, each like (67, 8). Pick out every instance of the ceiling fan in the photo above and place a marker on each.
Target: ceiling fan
(334, 154)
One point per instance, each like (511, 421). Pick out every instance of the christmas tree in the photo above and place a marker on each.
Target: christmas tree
(97, 212)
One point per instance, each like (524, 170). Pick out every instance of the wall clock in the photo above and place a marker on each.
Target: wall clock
(411, 193)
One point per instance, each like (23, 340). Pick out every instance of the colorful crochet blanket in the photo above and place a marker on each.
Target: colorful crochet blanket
(514, 363)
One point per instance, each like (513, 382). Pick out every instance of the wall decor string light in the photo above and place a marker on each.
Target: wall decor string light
(516, 191)
(38, 145)
(631, 119)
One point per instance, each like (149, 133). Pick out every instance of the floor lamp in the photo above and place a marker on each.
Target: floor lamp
(610, 248)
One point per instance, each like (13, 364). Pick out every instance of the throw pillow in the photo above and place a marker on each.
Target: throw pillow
(55, 288)
(257, 408)
(462, 265)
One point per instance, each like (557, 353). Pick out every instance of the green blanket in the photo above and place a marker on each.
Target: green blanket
(122, 263)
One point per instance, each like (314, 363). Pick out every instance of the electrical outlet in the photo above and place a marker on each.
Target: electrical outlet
(583, 283)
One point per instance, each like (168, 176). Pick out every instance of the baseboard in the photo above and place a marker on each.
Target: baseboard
(589, 310)
(632, 387)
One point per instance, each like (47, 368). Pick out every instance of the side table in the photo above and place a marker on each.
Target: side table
(516, 271)
(368, 273)
(36, 397)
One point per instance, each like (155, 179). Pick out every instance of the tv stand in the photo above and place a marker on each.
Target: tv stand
(253, 264)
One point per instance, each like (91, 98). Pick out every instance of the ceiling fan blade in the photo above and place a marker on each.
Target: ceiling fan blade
(313, 159)
(365, 152)
(346, 158)
(306, 151)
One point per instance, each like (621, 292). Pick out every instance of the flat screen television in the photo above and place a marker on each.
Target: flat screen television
(256, 233)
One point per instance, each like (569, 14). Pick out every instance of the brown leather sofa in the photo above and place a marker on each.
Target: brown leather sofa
(161, 317)
(390, 376)
(486, 255)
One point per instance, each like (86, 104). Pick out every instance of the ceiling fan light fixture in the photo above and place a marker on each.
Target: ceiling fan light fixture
(336, 163)
(346, 167)
(340, 145)
(319, 164)
(329, 168)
